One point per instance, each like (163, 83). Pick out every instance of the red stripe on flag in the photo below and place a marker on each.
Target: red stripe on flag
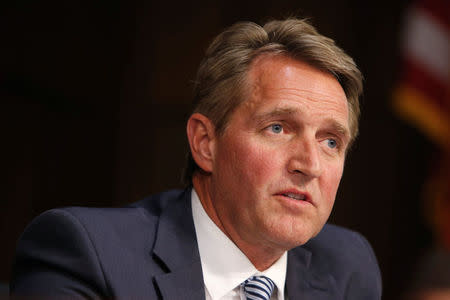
(438, 9)
(415, 74)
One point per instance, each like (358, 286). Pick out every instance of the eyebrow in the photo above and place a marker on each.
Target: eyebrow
(278, 112)
(339, 128)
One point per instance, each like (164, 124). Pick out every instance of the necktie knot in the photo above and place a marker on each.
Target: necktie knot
(258, 288)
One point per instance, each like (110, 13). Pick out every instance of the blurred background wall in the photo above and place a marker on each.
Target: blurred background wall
(95, 95)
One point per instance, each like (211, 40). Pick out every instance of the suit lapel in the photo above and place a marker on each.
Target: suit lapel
(303, 281)
(176, 247)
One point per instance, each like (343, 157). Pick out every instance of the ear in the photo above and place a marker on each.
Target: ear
(201, 136)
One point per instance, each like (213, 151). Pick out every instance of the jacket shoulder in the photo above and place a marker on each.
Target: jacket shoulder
(82, 249)
(348, 257)
(342, 245)
(145, 209)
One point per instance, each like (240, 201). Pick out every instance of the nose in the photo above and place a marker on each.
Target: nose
(306, 159)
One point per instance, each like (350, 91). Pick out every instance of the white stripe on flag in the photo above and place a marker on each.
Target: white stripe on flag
(428, 42)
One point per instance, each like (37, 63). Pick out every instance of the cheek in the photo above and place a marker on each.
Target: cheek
(331, 182)
(256, 163)
(248, 163)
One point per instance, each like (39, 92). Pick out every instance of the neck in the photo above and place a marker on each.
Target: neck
(261, 256)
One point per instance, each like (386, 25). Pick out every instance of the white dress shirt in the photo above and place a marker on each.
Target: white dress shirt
(224, 265)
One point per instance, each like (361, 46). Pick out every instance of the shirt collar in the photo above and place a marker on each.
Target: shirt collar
(224, 265)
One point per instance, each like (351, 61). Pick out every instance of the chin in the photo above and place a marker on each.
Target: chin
(293, 239)
(286, 245)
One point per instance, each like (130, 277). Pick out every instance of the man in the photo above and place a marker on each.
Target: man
(275, 111)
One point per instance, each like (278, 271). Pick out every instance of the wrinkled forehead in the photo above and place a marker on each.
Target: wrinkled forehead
(284, 77)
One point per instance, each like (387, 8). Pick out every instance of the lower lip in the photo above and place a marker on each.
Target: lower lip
(293, 203)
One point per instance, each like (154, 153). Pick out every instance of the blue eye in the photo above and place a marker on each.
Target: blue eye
(276, 128)
(331, 143)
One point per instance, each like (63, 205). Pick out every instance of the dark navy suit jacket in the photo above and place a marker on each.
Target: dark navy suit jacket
(149, 251)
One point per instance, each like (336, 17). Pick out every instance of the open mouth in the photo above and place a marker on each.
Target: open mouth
(295, 196)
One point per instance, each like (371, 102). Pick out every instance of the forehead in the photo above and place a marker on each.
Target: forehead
(276, 81)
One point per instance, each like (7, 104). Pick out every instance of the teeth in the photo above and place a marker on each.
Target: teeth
(295, 196)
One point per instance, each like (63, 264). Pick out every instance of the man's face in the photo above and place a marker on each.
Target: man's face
(277, 166)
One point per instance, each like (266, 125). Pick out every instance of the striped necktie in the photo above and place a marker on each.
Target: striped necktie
(258, 288)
